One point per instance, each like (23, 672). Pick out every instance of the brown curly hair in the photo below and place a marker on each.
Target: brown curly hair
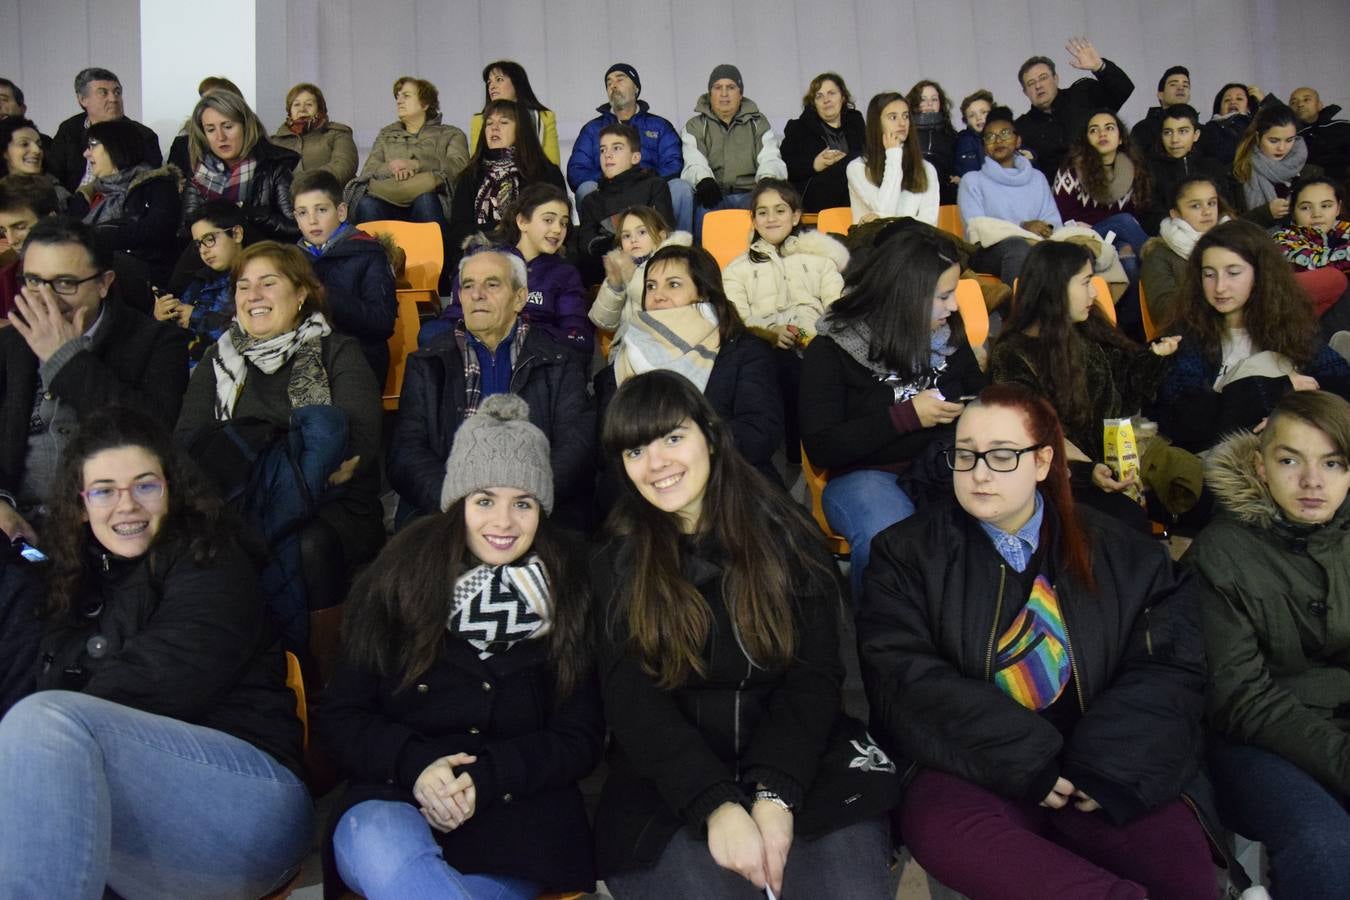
(1091, 171)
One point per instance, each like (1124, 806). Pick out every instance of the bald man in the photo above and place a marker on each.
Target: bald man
(1327, 137)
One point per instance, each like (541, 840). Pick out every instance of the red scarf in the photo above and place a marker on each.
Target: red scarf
(306, 125)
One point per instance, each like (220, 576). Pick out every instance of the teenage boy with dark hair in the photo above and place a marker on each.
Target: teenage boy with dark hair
(353, 266)
(206, 307)
(1177, 158)
(624, 182)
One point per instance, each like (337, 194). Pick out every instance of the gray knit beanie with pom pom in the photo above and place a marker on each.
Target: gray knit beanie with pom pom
(498, 447)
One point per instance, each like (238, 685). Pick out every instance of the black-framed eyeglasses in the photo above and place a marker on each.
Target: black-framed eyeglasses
(999, 459)
(1003, 134)
(62, 284)
(209, 239)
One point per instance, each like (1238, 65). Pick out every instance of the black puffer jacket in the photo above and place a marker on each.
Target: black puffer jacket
(269, 214)
(677, 755)
(930, 617)
(148, 227)
(938, 142)
(187, 640)
(549, 377)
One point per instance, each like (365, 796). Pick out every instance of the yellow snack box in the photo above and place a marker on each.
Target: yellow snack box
(1122, 453)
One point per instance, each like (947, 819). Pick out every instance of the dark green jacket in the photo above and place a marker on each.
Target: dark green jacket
(1276, 608)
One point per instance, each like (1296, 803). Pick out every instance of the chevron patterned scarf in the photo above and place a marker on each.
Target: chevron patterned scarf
(496, 606)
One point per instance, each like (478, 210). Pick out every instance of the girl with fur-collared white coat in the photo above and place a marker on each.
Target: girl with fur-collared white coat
(787, 279)
(641, 233)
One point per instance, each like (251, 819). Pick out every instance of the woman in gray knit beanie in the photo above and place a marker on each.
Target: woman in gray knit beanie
(466, 692)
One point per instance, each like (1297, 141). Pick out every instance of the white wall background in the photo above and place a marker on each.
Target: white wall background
(355, 48)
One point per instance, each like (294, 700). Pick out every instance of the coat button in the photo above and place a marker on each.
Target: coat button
(422, 689)
(1318, 607)
(487, 686)
(507, 798)
(473, 729)
(47, 395)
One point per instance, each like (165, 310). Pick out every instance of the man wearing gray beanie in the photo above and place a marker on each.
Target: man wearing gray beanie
(728, 146)
(498, 447)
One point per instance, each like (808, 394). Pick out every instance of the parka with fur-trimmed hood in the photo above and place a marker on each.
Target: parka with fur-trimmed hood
(1276, 610)
(789, 285)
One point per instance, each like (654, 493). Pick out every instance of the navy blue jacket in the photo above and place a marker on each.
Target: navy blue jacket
(547, 377)
(661, 148)
(359, 282)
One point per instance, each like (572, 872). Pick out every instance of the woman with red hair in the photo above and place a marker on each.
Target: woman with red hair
(1040, 672)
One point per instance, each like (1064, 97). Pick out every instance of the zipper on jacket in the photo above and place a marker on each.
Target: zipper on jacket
(1220, 849)
(993, 631)
(1073, 665)
(1148, 630)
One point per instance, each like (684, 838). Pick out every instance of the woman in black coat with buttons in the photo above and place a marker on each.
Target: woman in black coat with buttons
(465, 708)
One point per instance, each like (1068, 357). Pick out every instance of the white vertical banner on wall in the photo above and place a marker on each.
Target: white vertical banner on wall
(183, 41)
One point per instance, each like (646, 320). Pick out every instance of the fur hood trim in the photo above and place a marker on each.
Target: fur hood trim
(1230, 472)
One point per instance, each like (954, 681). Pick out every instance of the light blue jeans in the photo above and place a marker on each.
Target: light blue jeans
(385, 851)
(93, 793)
(859, 506)
(681, 200)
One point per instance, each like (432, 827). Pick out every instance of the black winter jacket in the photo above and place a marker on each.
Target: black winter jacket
(636, 187)
(134, 361)
(938, 143)
(1049, 134)
(676, 755)
(65, 157)
(803, 139)
(359, 283)
(148, 227)
(530, 821)
(1328, 141)
(189, 640)
(550, 378)
(269, 214)
(463, 217)
(743, 388)
(929, 620)
(850, 420)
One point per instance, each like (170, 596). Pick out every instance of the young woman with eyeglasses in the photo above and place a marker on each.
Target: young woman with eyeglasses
(161, 755)
(1038, 671)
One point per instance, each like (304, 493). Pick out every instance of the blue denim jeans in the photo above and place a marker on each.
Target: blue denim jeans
(681, 200)
(1306, 828)
(425, 208)
(1129, 233)
(859, 506)
(93, 793)
(385, 849)
(729, 201)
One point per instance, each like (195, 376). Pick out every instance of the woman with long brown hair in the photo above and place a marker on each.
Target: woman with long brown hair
(465, 708)
(1059, 344)
(1249, 336)
(732, 766)
(1037, 667)
(506, 159)
(892, 178)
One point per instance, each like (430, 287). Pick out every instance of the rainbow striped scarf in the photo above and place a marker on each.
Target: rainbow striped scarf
(1032, 665)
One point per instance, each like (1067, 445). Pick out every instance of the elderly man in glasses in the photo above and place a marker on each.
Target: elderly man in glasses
(68, 353)
(1058, 114)
(1006, 188)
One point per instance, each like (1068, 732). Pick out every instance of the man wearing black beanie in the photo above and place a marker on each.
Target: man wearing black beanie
(660, 142)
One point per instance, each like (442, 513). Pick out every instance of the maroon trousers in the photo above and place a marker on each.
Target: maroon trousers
(984, 846)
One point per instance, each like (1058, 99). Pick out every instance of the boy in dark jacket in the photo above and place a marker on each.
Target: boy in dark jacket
(623, 183)
(352, 265)
(206, 307)
(1176, 157)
